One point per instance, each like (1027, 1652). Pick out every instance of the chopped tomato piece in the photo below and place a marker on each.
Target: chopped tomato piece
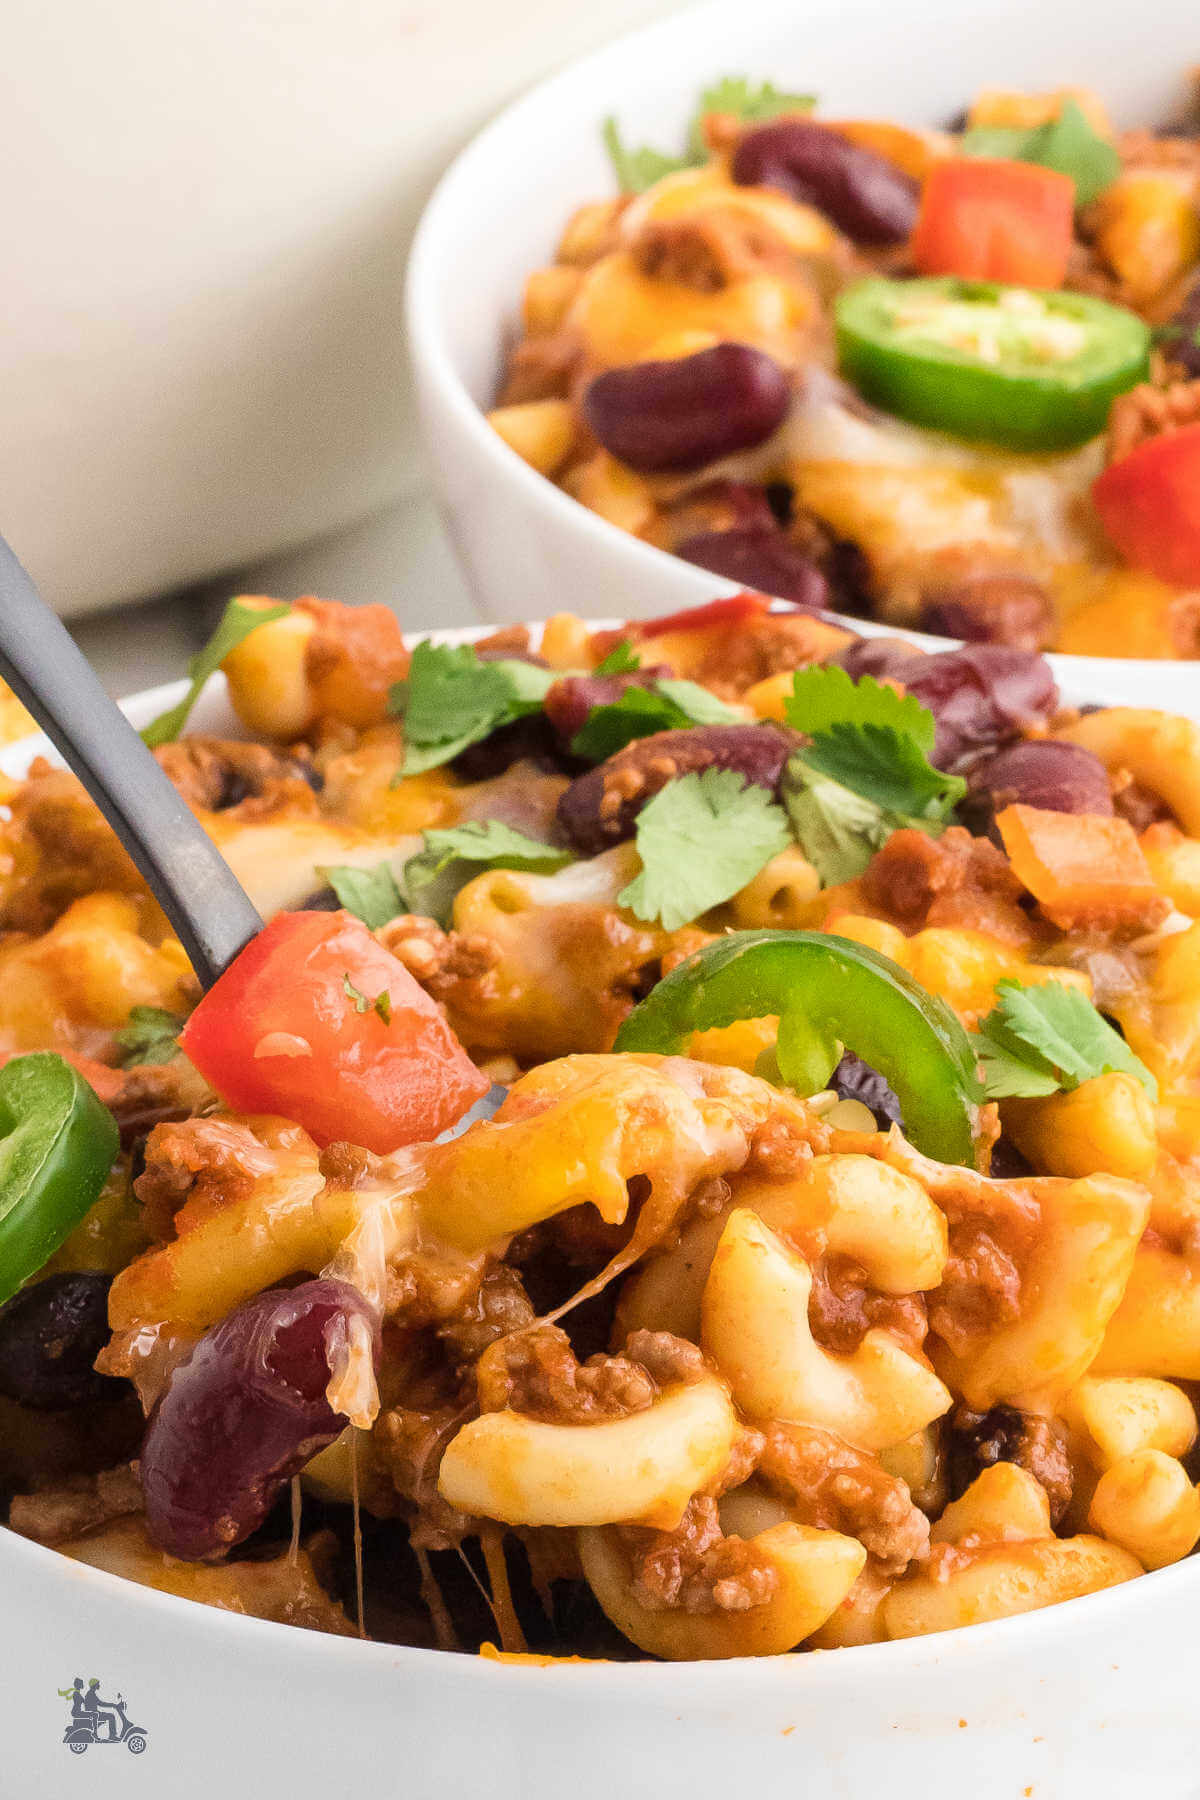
(1149, 504)
(735, 609)
(989, 219)
(317, 1021)
(1079, 867)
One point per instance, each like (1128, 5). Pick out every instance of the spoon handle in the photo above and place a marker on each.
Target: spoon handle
(211, 912)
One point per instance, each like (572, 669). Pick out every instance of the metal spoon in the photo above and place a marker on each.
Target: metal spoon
(211, 912)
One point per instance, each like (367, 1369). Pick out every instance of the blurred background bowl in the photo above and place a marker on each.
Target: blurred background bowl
(500, 209)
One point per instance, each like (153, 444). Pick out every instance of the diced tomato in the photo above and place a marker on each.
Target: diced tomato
(1149, 504)
(735, 609)
(988, 219)
(281, 1033)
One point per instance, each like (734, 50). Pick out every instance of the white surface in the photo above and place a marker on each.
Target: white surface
(1094, 1700)
(206, 208)
(525, 544)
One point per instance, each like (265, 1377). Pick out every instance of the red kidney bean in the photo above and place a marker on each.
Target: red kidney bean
(571, 700)
(683, 413)
(762, 558)
(1179, 339)
(866, 196)
(993, 609)
(980, 696)
(1055, 777)
(600, 809)
(879, 657)
(853, 1079)
(242, 1413)
(50, 1335)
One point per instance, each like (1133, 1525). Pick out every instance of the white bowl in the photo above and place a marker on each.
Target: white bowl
(527, 546)
(1091, 1700)
(206, 209)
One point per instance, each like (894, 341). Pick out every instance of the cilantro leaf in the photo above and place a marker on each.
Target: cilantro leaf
(826, 695)
(372, 895)
(234, 626)
(755, 103)
(149, 1035)
(701, 839)
(451, 700)
(453, 857)
(1067, 143)
(874, 741)
(619, 661)
(640, 711)
(381, 1004)
(888, 767)
(838, 830)
(637, 170)
(1052, 1035)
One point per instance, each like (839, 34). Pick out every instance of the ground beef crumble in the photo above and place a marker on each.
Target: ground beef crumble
(835, 1487)
(842, 1308)
(696, 1568)
(537, 1373)
(955, 879)
(80, 1503)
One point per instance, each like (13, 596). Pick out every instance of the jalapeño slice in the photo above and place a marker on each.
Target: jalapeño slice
(1025, 368)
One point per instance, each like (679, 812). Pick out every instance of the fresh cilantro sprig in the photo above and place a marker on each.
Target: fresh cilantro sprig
(234, 626)
(865, 773)
(637, 170)
(701, 839)
(755, 102)
(372, 895)
(149, 1035)
(451, 700)
(451, 858)
(1040, 1040)
(824, 695)
(1068, 143)
(621, 660)
(838, 830)
(659, 706)
(752, 102)
(381, 1005)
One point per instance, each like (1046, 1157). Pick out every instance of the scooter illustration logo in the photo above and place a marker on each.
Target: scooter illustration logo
(97, 1721)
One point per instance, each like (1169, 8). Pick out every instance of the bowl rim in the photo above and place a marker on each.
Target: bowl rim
(436, 247)
(628, 1681)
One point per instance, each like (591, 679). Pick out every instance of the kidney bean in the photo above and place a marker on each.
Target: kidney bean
(50, 1335)
(980, 695)
(242, 1413)
(600, 809)
(571, 700)
(993, 609)
(866, 196)
(683, 413)
(762, 558)
(1056, 777)
(1179, 340)
(853, 1079)
(878, 657)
